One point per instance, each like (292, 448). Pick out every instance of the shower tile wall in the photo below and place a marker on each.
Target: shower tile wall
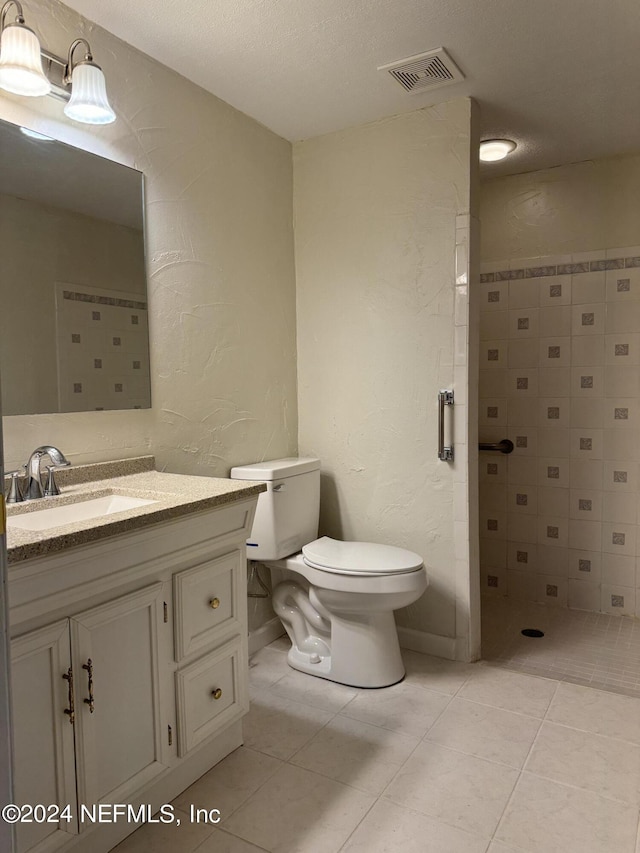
(560, 377)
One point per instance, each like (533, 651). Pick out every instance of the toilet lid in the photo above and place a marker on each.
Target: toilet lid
(359, 557)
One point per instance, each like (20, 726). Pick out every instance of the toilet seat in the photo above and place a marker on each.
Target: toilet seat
(367, 559)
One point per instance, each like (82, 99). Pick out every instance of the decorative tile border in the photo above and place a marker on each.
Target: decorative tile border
(109, 323)
(560, 269)
(76, 296)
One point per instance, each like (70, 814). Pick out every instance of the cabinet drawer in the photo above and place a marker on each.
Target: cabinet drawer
(211, 692)
(207, 603)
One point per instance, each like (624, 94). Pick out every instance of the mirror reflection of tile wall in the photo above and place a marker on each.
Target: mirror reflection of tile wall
(68, 217)
(103, 349)
(560, 377)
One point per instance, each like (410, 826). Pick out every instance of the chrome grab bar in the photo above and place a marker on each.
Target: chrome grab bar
(445, 453)
(504, 446)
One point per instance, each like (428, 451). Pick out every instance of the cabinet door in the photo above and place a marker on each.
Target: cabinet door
(117, 677)
(44, 769)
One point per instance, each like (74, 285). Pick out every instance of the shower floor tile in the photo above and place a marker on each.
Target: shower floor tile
(592, 649)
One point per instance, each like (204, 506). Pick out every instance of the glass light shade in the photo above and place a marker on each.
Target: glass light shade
(496, 149)
(89, 102)
(20, 64)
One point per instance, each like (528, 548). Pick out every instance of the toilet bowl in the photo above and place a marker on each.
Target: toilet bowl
(336, 599)
(354, 641)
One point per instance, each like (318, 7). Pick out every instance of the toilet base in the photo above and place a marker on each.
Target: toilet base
(364, 652)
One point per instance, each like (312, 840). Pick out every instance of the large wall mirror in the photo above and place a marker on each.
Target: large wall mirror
(73, 303)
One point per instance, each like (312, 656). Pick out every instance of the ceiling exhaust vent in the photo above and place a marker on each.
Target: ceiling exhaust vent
(424, 71)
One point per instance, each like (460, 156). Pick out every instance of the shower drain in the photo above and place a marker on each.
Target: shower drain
(532, 632)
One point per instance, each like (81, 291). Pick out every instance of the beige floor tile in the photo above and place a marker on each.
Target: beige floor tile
(312, 690)
(227, 785)
(597, 711)
(445, 676)
(607, 766)
(389, 828)
(461, 790)
(279, 727)
(485, 732)
(166, 838)
(221, 842)
(401, 708)
(497, 847)
(364, 756)
(266, 667)
(547, 817)
(300, 812)
(510, 691)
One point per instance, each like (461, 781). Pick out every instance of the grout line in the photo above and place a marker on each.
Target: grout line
(420, 742)
(357, 826)
(308, 741)
(248, 797)
(493, 761)
(590, 791)
(524, 764)
(497, 708)
(230, 835)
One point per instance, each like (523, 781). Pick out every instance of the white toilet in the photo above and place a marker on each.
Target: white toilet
(338, 598)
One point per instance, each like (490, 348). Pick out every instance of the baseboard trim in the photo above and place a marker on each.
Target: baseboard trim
(427, 644)
(265, 634)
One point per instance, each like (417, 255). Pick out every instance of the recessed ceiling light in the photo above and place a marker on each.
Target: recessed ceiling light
(496, 149)
(33, 134)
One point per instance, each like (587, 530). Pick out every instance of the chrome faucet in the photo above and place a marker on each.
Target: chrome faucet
(34, 488)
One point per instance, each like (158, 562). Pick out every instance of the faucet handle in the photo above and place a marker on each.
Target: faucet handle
(51, 487)
(14, 495)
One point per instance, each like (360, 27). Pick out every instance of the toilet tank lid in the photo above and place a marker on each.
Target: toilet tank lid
(277, 469)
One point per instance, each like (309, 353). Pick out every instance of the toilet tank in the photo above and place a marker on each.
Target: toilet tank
(287, 513)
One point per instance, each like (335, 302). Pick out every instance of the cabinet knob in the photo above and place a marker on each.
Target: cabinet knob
(217, 693)
(214, 603)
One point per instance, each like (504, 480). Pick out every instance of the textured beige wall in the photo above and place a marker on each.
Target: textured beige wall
(575, 208)
(375, 228)
(220, 264)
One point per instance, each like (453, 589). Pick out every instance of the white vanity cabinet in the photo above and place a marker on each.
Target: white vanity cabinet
(102, 671)
(152, 627)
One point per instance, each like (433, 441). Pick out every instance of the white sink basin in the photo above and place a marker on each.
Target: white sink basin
(57, 516)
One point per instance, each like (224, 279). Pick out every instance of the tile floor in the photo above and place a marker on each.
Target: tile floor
(593, 649)
(457, 758)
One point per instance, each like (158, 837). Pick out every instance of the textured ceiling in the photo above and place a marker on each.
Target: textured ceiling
(560, 77)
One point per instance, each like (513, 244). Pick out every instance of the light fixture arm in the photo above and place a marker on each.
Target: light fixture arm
(5, 10)
(88, 57)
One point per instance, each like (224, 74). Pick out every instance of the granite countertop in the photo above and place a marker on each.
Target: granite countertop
(174, 496)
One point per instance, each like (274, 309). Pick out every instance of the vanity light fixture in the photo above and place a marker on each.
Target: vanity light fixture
(492, 150)
(20, 63)
(28, 69)
(88, 101)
